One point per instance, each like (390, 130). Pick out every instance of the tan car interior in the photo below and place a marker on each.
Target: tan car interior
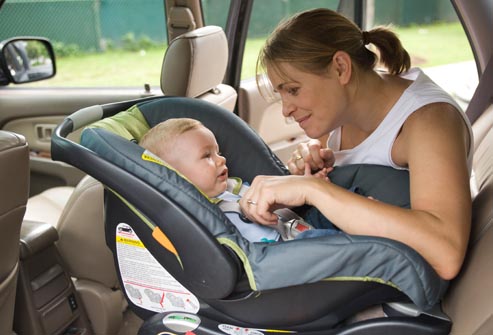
(77, 213)
(14, 177)
(469, 301)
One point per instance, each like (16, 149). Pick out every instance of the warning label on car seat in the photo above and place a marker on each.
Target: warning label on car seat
(146, 282)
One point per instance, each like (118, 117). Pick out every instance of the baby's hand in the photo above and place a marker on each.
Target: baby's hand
(320, 174)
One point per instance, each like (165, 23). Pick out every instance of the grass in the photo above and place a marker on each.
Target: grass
(113, 68)
(436, 44)
(430, 45)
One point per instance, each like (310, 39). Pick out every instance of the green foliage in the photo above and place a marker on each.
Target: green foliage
(107, 45)
(66, 50)
(131, 43)
(128, 43)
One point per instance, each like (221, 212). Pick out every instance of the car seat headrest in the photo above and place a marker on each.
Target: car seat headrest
(130, 124)
(195, 62)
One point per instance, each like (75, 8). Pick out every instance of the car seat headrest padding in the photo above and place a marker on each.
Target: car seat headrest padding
(129, 124)
(195, 62)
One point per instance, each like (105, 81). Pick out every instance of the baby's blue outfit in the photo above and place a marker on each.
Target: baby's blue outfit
(253, 232)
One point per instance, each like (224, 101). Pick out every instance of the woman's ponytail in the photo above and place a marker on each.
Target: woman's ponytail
(392, 53)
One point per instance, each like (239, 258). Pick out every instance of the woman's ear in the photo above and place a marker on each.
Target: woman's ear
(342, 66)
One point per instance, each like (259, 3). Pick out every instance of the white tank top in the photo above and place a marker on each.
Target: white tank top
(377, 148)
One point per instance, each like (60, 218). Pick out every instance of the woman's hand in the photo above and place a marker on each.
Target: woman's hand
(312, 153)
(268, 193)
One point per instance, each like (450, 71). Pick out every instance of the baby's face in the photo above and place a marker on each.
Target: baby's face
(195, 154)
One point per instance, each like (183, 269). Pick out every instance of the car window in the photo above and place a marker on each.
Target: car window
(100, 43)
(216, 12)
(429, 30)
(265, 16)
(433, 35)
(97, 43)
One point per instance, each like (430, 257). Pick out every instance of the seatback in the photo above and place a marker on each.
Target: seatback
(194, 66)
(470, 299)
(96, 280)
(14, 182)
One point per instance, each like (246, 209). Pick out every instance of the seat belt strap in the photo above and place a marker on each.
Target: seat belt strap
(230, 206)
(482, 96)
(289, 224)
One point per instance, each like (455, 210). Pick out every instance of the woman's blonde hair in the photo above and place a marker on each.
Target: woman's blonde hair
(160, 137)
(309, 40)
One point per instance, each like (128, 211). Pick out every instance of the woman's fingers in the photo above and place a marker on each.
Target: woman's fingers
(316, 161)
(258, 211)
(300, 156)
(296, 162)
(257, 202)
(327, 155)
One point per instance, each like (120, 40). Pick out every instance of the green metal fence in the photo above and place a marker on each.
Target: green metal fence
(89, 24)
(94, 25)
(19, 18)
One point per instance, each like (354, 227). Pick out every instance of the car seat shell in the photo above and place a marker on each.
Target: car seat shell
(173, 197)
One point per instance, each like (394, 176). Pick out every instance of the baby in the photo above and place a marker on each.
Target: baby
(191, 149)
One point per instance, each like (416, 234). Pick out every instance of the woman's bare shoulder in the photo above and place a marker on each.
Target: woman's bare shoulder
(434, 126)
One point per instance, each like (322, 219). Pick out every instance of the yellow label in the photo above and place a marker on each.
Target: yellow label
(147, 156)
(129, 241)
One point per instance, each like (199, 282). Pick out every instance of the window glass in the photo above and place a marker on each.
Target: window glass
(265, 16)
(97, 43)
(429, 30)
(433, 36)
(216, 12)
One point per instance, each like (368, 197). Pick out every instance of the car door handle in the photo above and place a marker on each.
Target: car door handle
(44, 131)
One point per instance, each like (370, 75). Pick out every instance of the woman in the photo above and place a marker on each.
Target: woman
(319, 64)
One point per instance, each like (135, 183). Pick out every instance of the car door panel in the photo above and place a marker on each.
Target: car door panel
(37, 130)
(35, 113)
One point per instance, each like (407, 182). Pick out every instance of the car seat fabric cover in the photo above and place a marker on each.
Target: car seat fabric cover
(339, 257)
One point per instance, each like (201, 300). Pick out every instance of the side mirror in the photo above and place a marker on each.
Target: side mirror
(26, 59)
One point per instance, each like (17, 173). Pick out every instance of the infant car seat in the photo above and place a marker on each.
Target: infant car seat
(185, 268)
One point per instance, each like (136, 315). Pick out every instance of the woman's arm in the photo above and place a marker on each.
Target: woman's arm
(433, 143)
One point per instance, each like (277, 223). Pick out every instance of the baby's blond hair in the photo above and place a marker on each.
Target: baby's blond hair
(162, 136)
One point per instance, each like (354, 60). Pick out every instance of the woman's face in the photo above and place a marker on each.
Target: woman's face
(315, 101)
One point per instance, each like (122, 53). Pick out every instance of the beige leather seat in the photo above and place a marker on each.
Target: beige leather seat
(194, 66)
(14, 182)
(469, 301)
